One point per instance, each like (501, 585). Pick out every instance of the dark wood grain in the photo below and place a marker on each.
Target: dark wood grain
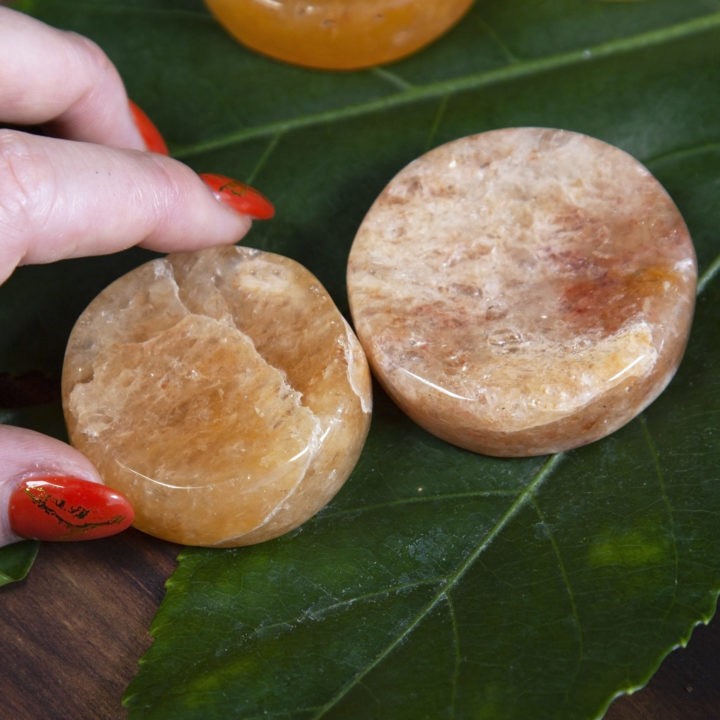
(73, 631)
(72, 634)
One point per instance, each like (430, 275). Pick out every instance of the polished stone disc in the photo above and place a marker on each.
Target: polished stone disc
(523, 291)
(221, 391)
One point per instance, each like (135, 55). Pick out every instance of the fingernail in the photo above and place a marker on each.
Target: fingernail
(150, 134)
(240, 197)
(51, 507)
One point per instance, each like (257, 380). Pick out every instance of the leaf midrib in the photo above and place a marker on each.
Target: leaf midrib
(443, 592)
(443, 88)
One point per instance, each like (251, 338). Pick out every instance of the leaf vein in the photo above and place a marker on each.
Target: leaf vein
(709, 275)
(475, 494)
(390, 77)
(660, 476)
(457, 655)
(490, 31)
(437, 121)
(683, 153)
(319, 614)
(474, 81)
(521, 500)
(263, 159)
(568, 589)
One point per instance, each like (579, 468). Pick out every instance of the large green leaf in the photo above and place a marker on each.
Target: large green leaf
(438, 584)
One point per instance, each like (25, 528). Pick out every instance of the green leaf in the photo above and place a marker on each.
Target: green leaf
(16, 561)
(439, 583)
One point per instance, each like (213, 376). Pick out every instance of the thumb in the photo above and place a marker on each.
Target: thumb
(50, 491)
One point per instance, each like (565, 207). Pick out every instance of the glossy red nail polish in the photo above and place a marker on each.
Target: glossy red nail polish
(240, 197)
(154, 141)
(51, 507)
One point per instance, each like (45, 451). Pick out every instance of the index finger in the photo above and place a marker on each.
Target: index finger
(58, 77)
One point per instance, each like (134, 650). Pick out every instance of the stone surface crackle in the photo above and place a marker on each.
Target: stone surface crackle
(221, 392)
(523, 291)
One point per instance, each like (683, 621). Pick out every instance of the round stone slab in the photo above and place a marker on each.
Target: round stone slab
(523, 291)
(221, 391)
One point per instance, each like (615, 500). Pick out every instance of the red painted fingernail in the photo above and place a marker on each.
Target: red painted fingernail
(240, 197)
(150, 134)
(53, 507)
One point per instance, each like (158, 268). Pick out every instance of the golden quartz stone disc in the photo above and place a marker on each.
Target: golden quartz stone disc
(221, 391)
(523, 291)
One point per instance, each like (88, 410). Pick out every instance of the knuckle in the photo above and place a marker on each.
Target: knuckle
(92, 56)
(97, 94)
(25, 191)
(175, 204)
(169, 185)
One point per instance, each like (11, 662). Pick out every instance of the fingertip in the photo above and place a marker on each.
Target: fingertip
(239, 196)
(63, 508)
(50, 491)
(196, 216)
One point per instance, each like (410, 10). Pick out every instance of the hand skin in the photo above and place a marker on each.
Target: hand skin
(90, 188)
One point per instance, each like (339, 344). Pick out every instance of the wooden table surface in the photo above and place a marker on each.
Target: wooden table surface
(73, 631)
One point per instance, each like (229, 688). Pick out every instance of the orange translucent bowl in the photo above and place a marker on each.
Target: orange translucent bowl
(337, 34)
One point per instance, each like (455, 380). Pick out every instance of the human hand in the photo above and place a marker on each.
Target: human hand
(88, 186)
